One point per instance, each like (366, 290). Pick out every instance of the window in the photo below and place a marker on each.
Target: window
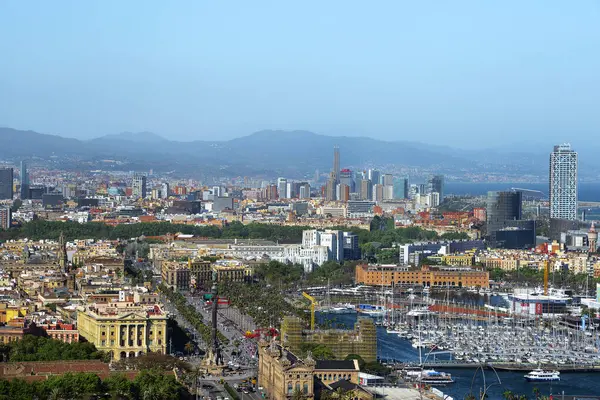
(305, 388)
(290, 389)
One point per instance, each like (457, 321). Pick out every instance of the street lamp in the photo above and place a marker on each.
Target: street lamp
(485, 388)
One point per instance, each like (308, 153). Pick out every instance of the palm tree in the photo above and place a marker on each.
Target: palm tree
(55, 394)
(508, 395)
(297, 395)
(189, 347)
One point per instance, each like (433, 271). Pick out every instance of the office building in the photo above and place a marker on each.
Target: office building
(410, 253)
(351, 247)
(563, 183)
(164, 190)
(332, 240)
(282, 188)
(52, 200)
(6, 183)
(304, 191)
(360, 208)
(374, 176)
(433, 199)
(347, 179)
(336, 165)
(330, 188)
(505, 228)
(24, 181)
(401, 188)
(387, 180)
(5, 217)
(435, 184)
(377, 192)
(366, 190)
(343, 192)
(138, 186)
(502, 207)
(388, 192)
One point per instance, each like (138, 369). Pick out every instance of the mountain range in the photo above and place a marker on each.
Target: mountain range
(288, 153)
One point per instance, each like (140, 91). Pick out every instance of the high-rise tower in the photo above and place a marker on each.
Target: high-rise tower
(6, 183)
(435, 184)
(139, 185)
(336, 164)
(563, 183)
(24, 181)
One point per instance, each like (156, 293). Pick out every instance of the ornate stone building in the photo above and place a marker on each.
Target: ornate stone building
(124, 329)
(281, 373)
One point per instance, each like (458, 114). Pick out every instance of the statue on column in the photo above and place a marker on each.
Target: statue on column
(216, 346)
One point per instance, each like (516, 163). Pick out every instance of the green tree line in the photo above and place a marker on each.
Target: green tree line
(382, 231)
(37, 348)
(147, 385)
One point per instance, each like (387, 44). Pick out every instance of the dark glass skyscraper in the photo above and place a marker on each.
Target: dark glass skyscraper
(502, 207)
(401, 189)
(505, 228)
(436, 184)
(24, 181)
(6, 183)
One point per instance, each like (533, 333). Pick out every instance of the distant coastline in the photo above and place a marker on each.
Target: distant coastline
(588, 191)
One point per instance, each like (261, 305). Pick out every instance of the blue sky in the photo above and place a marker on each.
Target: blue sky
(465, 73)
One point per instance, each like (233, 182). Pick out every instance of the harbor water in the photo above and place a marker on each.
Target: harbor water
(390, 346)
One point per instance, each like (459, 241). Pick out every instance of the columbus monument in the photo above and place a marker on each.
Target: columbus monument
(213, 360)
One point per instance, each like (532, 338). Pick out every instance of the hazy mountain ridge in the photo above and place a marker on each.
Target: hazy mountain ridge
(292, 153)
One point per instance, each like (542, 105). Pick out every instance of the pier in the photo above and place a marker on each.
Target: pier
(505, 366)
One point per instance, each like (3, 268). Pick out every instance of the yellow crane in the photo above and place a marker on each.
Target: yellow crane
(313, 302)
(546, 273)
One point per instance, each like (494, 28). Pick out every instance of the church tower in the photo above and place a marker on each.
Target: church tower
(63, 260)
(592, 239)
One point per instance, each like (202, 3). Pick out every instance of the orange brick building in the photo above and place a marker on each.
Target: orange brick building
(378, 275)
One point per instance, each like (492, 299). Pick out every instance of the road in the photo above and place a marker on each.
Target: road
(240, 351)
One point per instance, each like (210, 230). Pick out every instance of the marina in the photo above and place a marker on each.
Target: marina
(468, 377)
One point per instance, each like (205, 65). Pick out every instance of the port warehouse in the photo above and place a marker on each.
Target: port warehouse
(388, 275)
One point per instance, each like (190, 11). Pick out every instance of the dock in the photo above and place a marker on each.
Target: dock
(447, 364)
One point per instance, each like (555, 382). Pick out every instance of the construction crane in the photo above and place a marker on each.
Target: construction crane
(313, 303)
(546, 272)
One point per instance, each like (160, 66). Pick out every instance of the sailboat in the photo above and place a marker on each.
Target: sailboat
(338, 309)
(429, 376)
(391, 328)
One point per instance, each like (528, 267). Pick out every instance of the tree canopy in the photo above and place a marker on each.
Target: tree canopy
(148, 385)
(36, 348)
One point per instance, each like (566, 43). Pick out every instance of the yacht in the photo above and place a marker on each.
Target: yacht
(540, 375)
(432, 377)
